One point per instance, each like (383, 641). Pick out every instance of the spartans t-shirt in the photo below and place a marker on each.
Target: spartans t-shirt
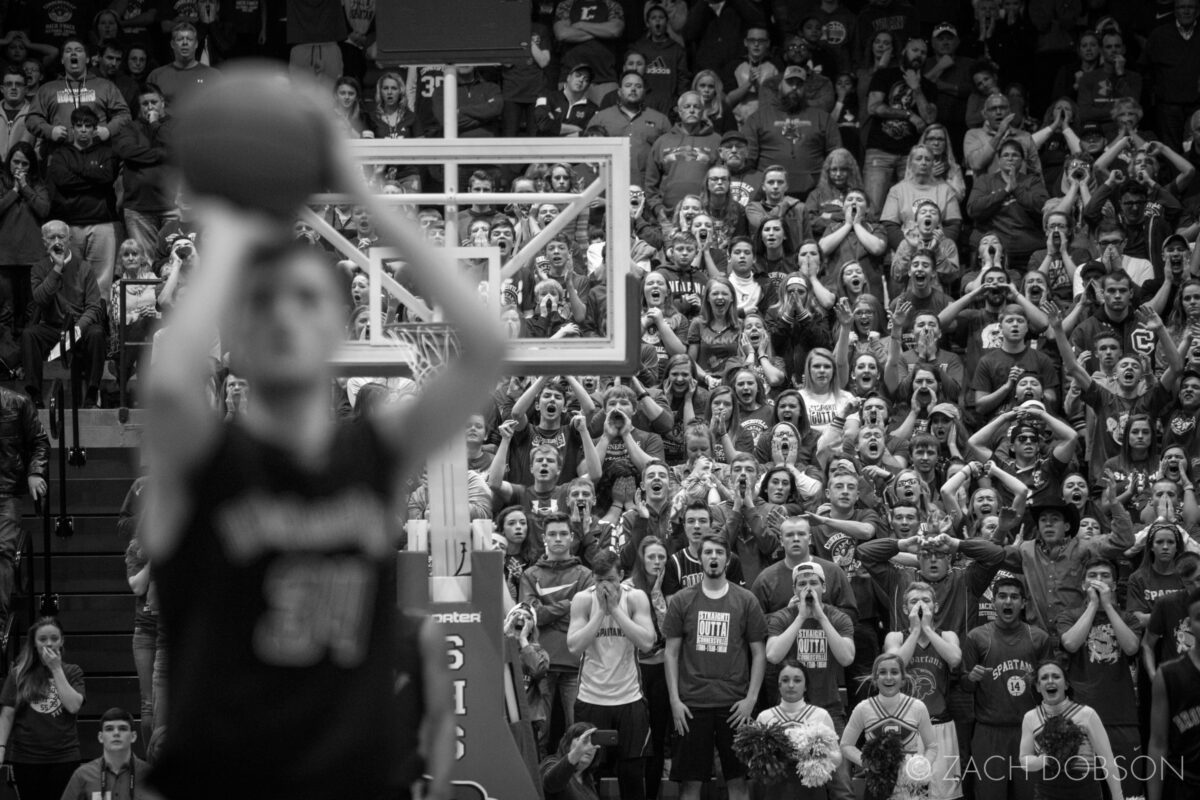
(714, 661)
(43, 731)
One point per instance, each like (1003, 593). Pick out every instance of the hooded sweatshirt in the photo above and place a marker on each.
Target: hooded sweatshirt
(549, 586)
(678, 163)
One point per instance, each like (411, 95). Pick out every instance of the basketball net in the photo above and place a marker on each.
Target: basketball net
(430, 347)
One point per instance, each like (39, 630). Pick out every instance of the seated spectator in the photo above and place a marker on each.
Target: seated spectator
(116, 766)
(65, 295)
(140, 305)
(569, 773)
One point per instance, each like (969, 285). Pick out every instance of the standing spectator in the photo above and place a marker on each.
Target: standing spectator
(64, 294)
(111, 66)
(314, 29)
(1099, 89)
(38, 704)
(117, 766)
(549, 587)
(58, 23)
(715, 659)
(752, 73)
(14, 125)
(24, 203)
(590, 31)
(1008, 202)
(680, 158)
(24, 455)
(667, 74)
(609, 624)
(50, 116)
(900, 100)
(566, 112)
(951, 73)
(896, 17)
(1176, 702)
(184, 74)
(982, 145)
(142, 147)
(81, 178)
(1102, 643)
(523, 82)
(1172, 66)
(243, 28)
(715, 29)
(788, 132)
(480, 105)
(998, 663)
(773, 586)
(632, 119)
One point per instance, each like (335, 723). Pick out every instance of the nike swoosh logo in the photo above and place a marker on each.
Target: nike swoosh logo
(543, 591)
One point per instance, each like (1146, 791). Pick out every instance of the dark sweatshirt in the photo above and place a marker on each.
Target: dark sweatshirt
(81, 184)
(549, 586)
(72, 295)
(142, 148)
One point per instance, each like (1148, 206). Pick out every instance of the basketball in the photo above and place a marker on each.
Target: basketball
(255, 140)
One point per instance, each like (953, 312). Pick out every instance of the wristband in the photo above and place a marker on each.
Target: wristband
(643, 396)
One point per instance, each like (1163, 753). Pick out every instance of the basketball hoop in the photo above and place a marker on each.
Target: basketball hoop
(428, 347)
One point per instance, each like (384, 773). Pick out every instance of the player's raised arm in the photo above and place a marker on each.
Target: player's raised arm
(467, 381)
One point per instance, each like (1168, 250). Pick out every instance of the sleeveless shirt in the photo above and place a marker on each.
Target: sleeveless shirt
(609, 674)
(280, 608)
(1182, 681)
(929, 675)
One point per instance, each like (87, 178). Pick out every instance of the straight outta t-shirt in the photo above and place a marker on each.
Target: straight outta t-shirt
(714, 661)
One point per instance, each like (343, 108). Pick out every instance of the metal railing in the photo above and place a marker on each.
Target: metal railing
(122, 306)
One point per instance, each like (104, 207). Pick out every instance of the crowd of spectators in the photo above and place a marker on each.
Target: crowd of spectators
(920, 322)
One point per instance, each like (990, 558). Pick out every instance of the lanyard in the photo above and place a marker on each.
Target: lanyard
(104, 778)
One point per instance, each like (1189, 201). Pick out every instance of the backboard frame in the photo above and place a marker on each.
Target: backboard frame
(616, 353)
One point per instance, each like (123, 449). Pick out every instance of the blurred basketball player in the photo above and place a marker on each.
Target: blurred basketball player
(273, 538)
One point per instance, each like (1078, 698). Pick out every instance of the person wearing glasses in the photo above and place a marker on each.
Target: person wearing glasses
(981, 146)
(753, 72)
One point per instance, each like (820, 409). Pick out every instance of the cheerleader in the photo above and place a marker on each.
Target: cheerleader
(891, 710)
(1075, 775)
(793, 710)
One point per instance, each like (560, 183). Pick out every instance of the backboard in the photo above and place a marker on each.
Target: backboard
(615, 351)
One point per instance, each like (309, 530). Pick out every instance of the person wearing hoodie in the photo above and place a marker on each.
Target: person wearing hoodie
(80, 177)
(667, 74)
(680, 158)
(142, 147)
(786, 130)
(50, 113)
(549, 587)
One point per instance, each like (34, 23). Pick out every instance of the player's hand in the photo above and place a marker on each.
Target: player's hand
(681, 714)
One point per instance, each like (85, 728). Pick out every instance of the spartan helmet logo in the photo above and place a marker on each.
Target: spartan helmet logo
(922, 683)
(1183, 637)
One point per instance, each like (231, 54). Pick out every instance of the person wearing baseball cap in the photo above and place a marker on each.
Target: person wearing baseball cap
(952, 76)
(568, 111)
(1176, 255)
(811, 134)
(773, 586)
(828, 637)
(735, 135)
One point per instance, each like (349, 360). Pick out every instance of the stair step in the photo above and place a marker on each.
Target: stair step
(73, 574)
(100, 460)
(100, 653)
(105, 693)
(88, 613)
(93, 534)
(90, 494)
(102, 427)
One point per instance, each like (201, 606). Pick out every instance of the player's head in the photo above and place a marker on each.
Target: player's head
(287, 322)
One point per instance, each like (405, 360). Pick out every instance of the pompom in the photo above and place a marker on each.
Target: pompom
(813, 748)
(1060, 739)
(766, 750)
(256, 139)
(882, 758)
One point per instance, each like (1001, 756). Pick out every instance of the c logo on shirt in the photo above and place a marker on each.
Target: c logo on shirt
(1142, 341)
